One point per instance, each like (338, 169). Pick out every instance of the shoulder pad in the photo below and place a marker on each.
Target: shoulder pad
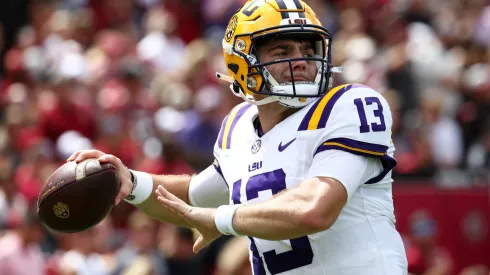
(317, 116)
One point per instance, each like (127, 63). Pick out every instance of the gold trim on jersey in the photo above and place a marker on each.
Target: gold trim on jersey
(224, 138)
(354, 149)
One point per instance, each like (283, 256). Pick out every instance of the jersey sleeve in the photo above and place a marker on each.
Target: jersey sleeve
(208, 189)
(355, 119)
(331, 163)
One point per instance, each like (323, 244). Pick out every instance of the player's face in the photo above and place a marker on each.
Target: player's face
(275, 49)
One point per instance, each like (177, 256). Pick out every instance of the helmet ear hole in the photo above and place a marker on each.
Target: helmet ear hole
(251, 83)
(235, 88)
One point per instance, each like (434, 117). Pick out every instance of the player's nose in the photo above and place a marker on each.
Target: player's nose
(298, 64)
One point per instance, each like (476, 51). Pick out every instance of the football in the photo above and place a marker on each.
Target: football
(78, 196)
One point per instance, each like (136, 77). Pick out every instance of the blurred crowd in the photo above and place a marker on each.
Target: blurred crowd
(136, 78)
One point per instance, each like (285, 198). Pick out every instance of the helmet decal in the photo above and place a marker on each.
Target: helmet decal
(230, 30)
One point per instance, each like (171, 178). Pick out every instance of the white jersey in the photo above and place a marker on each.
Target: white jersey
(351, 118)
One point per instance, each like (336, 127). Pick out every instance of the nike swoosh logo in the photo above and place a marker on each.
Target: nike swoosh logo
(283, 147)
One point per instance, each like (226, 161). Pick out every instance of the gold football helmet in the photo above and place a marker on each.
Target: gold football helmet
(259, 19)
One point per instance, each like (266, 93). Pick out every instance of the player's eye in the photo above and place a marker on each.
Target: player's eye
(282, 54)
(308, 52)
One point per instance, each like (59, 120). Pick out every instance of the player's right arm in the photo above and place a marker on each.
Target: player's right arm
(207, 189)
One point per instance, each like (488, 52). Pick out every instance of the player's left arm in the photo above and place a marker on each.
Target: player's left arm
(311, 207)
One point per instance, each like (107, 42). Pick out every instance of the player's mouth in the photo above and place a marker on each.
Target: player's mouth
(296, 79)
(299, 80)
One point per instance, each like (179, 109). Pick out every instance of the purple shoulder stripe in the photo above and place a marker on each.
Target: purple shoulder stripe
(329, 107)
(353, 146)
(222, 131)
(239, 114)
(229, 123)
(363, 149)
(304, 123)
(324, 105)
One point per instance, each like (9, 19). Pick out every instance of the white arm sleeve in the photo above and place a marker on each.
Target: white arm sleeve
(208, 189)
(351, 170)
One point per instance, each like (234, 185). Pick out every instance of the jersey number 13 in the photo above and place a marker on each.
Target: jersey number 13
(375, 127)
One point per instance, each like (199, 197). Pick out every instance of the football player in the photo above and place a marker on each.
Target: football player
(301, 168)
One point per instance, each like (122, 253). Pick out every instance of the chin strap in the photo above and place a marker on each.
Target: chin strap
(248, 99)
(264, 101)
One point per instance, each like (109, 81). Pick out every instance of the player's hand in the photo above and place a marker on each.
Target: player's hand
(201, 219)
(124, 175)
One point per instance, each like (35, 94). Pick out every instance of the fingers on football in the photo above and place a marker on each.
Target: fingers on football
(75, 155)
(124, 190)
(113, 160)
(86, 154)
(126, 184)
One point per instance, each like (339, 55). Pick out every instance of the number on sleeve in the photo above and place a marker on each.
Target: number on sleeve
(376, 127)
(300, 254)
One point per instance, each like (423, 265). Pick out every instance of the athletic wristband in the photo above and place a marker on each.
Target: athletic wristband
(224, 219)
(142, 187)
